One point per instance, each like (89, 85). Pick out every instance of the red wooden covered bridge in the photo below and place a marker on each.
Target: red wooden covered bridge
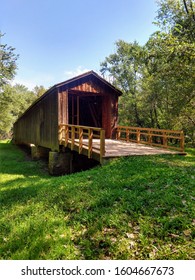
(80, 116)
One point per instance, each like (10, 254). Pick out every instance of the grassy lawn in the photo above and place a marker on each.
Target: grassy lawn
(133, 208)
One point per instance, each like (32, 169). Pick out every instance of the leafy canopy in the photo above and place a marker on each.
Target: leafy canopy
(7, 62)
(157, 79)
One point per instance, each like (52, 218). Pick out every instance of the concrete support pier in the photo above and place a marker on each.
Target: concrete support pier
(60, 163)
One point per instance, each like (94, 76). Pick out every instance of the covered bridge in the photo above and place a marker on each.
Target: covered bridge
(78, 118)
(87, 100)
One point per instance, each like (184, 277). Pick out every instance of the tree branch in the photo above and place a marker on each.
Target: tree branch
(191, 7)
(186, 6)
(193, 14)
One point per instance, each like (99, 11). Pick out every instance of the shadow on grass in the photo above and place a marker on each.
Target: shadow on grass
(150, 208)
(133, 208)
(16, 160)
(19, 191)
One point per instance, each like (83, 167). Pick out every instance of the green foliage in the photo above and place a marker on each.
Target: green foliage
(158, 79)
(7, 63)
(170, 78)
(177, 17)
(171, 65)
(133, 208)
(126, 68)
(14, 100)
(39, 91)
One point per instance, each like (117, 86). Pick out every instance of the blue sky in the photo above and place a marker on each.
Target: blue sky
(58, 39)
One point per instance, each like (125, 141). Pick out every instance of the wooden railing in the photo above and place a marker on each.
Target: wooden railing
(169, 139)
(85, 140)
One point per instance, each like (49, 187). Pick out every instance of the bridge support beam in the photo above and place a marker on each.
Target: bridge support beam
(60, 163)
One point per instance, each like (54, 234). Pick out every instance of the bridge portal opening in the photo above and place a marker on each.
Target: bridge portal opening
(85, 110)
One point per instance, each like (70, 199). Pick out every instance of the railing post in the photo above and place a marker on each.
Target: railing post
(182, 141)
(138, 135)
(149, 137)
(80, 139)
(102, 143)
(90, 137)
(72, 137)
(118, 133)
(66, 135)
(165, 139)
(60, 133)
(127, 134)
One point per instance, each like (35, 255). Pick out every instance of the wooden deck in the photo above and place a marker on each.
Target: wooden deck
(116, 148)
(92, 143)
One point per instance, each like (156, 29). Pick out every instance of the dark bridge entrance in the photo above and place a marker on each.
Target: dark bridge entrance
(85, 111)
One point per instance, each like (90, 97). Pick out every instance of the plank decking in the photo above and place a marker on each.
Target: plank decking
(116, 148)
(91, 142)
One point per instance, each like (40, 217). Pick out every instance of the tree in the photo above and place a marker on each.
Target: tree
(171, 68)
(7, 62)
(39, 91)
(125, 68)
(177, 17)
(14, 100)
(175, 47)
(158, 79)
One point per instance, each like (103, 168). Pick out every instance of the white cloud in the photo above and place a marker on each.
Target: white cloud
(28, 83)
(80, 70)
(76, 72)
(41, 80)
(47, 80)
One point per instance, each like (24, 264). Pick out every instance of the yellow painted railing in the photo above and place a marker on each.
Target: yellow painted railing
(169, 139)
(83, 139)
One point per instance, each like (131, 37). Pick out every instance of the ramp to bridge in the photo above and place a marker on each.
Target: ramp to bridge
(75, 141)
(117, 148)
(91, 141)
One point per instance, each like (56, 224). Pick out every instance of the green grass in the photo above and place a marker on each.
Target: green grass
(133, 208)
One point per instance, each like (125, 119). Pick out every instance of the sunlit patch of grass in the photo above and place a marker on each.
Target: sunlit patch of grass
(133, 208)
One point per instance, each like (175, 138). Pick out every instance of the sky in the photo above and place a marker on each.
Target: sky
(59, 39)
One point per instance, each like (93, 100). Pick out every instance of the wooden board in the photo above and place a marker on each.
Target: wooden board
(116, 148)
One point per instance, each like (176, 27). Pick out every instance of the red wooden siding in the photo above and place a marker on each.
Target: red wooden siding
(86, 100)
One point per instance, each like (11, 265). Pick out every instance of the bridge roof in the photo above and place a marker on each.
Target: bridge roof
(88, 76)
